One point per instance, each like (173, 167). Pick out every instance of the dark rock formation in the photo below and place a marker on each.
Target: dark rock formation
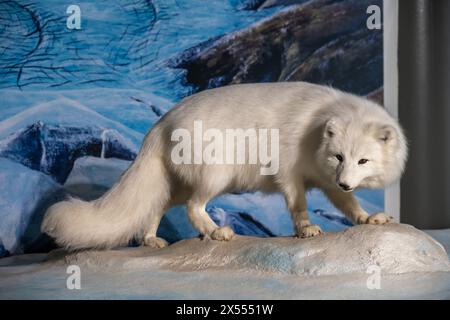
(3, 251)
(263, 4)
(322, 41)
(52, 149)
(353, 62)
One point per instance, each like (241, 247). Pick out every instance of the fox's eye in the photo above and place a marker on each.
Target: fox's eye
(362, 161)
(339, 157)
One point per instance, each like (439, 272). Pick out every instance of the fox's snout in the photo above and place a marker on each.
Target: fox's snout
(345, 187)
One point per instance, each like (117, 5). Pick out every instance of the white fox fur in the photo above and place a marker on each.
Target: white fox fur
(323, 136)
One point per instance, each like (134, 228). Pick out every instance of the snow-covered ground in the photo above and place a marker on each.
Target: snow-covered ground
(333, 266)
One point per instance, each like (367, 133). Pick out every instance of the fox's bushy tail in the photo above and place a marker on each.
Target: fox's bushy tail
(121, 214)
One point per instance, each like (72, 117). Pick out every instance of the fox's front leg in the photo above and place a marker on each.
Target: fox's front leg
(296, 202)
(347, 203)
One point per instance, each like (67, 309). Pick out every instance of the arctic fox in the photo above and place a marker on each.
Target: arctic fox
(328, 139)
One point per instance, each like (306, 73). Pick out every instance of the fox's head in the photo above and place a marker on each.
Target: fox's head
(357, 154)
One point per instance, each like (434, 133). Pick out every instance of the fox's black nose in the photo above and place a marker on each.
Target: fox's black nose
(344, 186)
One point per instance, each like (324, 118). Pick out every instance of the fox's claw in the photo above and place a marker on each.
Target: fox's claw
(222, 234)
(379, 218)
(310, 231)
(155, 242)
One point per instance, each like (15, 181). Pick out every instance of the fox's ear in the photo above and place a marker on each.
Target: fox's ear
(330, 129)
(386, 133)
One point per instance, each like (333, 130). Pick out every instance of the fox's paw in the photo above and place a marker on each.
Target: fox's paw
(155, 242)
(310, 231)
(222, 234)
(379, 218)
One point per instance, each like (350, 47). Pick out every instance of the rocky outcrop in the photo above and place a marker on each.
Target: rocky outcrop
(352, 62)
(322, 41)
(53, 149)
(393, 248)
(411, 265)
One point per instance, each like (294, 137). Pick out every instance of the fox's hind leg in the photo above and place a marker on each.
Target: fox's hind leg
(204, 224)
(150, 238)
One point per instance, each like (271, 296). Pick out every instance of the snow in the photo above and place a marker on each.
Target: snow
(65, 112)
(21, 203)
(394, 248)
(443, 236)
(132, 108)
(413, 266)
(91, 176)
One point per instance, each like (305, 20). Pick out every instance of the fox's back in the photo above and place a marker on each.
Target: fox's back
(263, 105)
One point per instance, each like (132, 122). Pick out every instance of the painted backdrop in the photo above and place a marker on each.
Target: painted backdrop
(76, 103)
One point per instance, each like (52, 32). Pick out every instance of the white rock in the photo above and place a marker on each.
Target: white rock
(256, 268)
(395, 248)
